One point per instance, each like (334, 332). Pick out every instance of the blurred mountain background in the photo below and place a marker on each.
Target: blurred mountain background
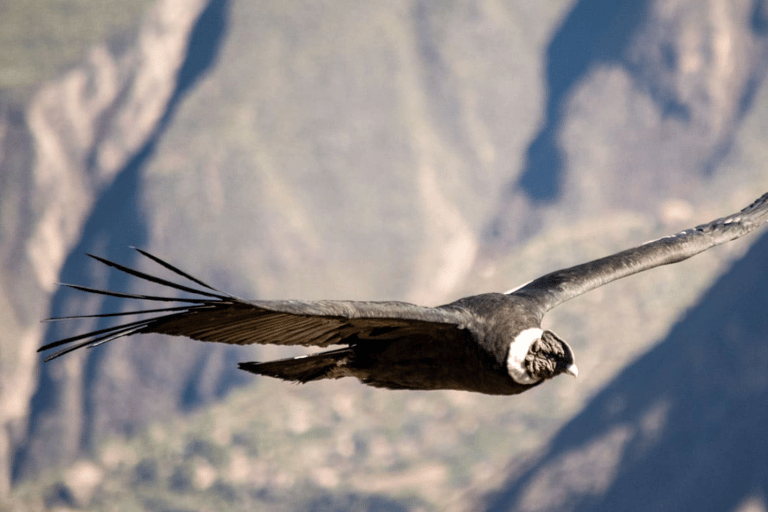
(406, 150)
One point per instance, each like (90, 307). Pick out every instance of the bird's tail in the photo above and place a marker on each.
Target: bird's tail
(325, 365)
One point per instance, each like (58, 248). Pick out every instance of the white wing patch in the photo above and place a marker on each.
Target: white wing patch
(513, 290)
(517, 352)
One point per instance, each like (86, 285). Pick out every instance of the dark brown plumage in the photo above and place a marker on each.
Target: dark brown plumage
(490, 343)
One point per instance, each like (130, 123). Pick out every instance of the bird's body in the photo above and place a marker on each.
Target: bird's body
(468, 352)
(490, 343)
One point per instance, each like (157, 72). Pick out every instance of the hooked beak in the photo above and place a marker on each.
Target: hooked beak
(572, 370)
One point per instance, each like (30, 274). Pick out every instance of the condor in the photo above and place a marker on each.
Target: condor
(490, 343)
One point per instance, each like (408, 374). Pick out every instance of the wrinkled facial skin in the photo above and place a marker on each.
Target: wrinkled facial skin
(548, 356)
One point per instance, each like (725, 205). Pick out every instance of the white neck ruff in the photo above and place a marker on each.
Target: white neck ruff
(517, 352)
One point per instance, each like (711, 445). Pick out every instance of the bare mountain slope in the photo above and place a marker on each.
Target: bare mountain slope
(376, 151)
(59, 151)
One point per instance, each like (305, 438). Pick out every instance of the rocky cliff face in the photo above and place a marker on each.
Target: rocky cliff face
(399, 150)
(59, 154)
(653, 102)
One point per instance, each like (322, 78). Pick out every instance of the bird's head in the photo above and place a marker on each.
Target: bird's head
(550, 356)
(538, 355)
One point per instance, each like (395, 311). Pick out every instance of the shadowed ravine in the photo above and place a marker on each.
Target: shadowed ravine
(609, 28)
(116, 222)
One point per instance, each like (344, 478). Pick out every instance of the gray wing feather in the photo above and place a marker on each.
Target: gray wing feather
(316, 323)
(555, 288)
(219, 317)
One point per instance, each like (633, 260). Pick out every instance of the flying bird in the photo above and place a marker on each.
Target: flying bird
(491, 343)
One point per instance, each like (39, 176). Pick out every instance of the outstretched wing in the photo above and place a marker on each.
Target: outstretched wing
(562, 285)
(212, 315)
